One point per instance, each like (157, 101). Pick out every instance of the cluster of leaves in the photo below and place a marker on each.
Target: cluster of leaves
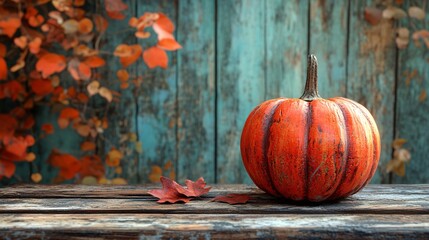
(50, 56)
(401, 157)
(172, 192)
(414, 13)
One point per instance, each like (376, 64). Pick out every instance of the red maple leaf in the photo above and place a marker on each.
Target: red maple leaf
(169, 192)
(194, 189)
(232, 198)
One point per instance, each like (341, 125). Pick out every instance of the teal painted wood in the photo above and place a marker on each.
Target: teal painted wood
(123, 117)
(412, 103)
(371, 75)
(328, 41)
(157, 104)
(240, 79)
(196, 90)
(286, 48)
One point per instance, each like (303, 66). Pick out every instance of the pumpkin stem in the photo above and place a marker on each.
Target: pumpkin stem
(310, 91)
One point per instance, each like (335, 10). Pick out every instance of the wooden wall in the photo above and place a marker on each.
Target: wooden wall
(238, 53)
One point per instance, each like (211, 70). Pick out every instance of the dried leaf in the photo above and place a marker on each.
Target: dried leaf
(403, 155)
(232, 198)
(114, 8)
(94, 61)
(51, 63)
(114, 158)
(122, 75)
(128, 54)
(71, 26)
(83, 130)
(169, 192)
(194, 189)
(401, 43)
(169, 44)
(372, 15)
(105, 93)
(416, 12)
(394, 12)
(164, 23)
(100, 22)
(93, 88)
(85, 26)
(155, 57)
(36, 177)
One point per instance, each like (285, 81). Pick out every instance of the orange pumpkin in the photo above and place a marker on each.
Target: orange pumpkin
(310, 149)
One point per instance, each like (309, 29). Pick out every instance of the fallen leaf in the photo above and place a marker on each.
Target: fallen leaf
(372, 15)
(194, 189)
(232, 198)
(85, 26)
(128, 54)
(169, 192)
(51, 63)
(169, 44)
(94, 61)
(41, 87)
(416, 12)
(155, 57)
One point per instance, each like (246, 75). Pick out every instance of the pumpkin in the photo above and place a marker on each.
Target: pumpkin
(310, 149)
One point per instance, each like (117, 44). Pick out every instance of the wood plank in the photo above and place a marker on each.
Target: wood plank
(412, 104)
(157, 104)
(196, 90)
(328, 41)
(136, 191)
(240, 80)
(371, 75)
(286, 48)
(122, 118)
(205, 226)
(377, 200)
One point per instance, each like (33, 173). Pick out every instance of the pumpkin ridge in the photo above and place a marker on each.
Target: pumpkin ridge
(307, 136)
(375, 140)
(267, 125)
(346, 152)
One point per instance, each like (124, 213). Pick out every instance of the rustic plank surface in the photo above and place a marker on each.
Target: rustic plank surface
(240, 80)
(128, 212)
(252, 226)
(412, 104)
(371, 74)
(196, 90)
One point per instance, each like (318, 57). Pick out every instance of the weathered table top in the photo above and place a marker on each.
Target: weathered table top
(70, 211)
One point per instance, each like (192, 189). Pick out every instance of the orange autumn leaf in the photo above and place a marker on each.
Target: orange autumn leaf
(3, 50)
(34, 45)
(83, 130)
(9, 22)
(133, 22)
(8, 126)
(85, 26)
(12, 89)
(48, 128)
(232, 198)
(122, 75)
(7, 168)
(155, 57)
(155, 174)
(36, 21)
(94, 61)
(92, 166)
(165, 23)
(87, 146)
(3, 69)
(100, 22)
(69, 165)
(84, 71)
(41, 87)
(28, 122)
(128, 54)
(114, 158)
(21, 42)
(51, 63)
(17, 146)
(69, 113)
(36, 177)
(114, 8)
(169, 44)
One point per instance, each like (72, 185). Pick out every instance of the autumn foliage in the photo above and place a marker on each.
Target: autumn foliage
(50, 56)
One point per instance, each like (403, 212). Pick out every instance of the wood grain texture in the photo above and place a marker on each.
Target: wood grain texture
(157, 103)
(371, 74)
(328, 41)
(286, 36)
(196, 90)
(205, 226)
(122, 118)
(412, 103)
(240, 79)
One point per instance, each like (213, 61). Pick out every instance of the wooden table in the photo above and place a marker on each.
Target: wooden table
(128, 212)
